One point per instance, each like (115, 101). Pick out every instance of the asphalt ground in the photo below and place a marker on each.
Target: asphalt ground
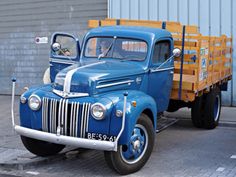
(180, 150)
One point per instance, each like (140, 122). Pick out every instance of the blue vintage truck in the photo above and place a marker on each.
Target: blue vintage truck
(106, 95)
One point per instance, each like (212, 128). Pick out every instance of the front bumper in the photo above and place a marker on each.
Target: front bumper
(67, 140)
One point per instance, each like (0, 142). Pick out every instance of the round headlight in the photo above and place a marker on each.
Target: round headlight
(98, 111)
(34, 102)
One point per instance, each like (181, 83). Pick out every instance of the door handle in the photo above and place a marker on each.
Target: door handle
(50, 64)
(171, 72)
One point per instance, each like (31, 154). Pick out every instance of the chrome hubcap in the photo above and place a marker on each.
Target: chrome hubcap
(136, 148)
(217, 108)
(136, 144)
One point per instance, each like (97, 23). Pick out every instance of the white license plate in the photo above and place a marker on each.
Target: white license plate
(99, 136)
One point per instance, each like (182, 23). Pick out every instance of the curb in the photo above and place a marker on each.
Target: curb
(24, 163)
(231, 124)
(21, 162)
(227, 124)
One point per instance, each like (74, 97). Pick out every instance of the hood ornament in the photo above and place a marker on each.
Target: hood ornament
(69, 95)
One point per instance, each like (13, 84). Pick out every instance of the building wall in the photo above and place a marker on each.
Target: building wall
(213, 17)
(22, 21)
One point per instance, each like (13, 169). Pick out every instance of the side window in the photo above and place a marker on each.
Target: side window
(161, 52)
(68, 46)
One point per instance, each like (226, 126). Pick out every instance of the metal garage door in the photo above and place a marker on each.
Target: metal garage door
(214, 17)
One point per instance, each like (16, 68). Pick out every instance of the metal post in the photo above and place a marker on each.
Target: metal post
(232, 63)
(13, 101)
(163, 25)
(182, 62)
(123, 121)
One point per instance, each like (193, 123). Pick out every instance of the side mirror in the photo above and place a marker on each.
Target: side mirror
(176, 52)
(56, 47)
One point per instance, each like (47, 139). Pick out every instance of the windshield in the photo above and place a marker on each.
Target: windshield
(119, 48)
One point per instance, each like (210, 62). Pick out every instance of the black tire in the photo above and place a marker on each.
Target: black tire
(41, 148)
(197, 111)
(117, 160)
(212, 108)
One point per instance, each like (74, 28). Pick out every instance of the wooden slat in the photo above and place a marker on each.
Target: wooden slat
(191, 29)
(186, 71)
(93, 23)
(108, 22)
(174, 28)
(141, 23)
(186, 95)
(186, 78)
(186, 66)
(185, 85)
(178, 36)
(186, 43)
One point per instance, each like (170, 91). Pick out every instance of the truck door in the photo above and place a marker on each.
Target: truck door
(67, 53)
(161, 74)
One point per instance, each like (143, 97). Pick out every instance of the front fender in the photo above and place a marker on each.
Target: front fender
(143, 102)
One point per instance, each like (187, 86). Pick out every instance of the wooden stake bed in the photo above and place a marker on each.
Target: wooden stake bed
(207, 59)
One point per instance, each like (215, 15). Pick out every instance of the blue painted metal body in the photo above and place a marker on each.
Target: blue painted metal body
(150, 90)
(56, 66)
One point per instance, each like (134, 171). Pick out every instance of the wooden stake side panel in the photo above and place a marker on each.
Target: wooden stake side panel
(207, 59)
(186, 95)
(211, 57)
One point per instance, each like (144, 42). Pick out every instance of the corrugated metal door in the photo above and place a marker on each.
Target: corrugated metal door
(22, 21)
(214, 17)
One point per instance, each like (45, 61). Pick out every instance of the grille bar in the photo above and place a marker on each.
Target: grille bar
(88, 109)
(54, 115)
(76, 119)
(82, 122)
(85, 119)
(44, 114)
(59, 116)
(66, 114)
(70, 118)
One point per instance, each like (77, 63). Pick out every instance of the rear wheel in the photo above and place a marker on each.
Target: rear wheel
(197, 111)
(41, 148)
(212, 109)
(131, 157)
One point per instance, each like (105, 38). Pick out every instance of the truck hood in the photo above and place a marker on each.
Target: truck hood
(98, 77)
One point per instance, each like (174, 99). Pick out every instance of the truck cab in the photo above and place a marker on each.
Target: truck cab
(122, 58)
(105, 96)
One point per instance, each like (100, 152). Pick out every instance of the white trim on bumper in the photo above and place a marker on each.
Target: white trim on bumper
(66, 140)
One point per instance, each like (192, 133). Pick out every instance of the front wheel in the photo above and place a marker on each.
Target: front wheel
(131, 157)
(41, 148)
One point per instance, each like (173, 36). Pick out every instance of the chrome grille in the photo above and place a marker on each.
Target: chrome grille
(64, 117)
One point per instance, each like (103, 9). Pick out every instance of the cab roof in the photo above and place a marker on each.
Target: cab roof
(143, 33)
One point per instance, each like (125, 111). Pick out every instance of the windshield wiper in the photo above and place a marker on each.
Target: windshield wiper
(102, 55)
